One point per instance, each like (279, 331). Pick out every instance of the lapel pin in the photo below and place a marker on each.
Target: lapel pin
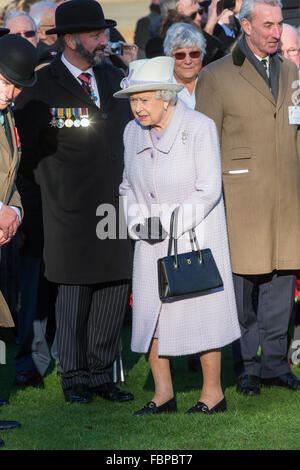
(184, 137)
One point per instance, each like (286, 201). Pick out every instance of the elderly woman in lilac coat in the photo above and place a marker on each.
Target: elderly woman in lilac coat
(172, 160)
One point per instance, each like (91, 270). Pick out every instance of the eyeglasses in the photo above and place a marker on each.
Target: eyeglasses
(182, 55)
(47, 26)
(27, 34)
(291, 52)
(200, 12)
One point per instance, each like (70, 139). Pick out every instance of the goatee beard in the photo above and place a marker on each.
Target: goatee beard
(91, 57)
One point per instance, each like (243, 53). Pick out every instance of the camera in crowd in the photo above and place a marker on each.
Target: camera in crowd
(116, 48)
(225, 4)
(222, 5)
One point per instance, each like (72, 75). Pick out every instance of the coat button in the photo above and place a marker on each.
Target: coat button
(152, 195)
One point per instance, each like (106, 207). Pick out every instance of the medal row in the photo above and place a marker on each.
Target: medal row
(69, 117)
(83, 122)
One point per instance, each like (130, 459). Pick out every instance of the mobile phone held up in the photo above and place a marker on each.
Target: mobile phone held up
(224, 4)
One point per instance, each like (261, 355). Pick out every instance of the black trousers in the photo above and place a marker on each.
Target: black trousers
(89, 319)
(37, 305)
(264, 304)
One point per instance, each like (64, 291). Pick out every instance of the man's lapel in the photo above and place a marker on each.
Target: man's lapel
(3, 140)
(249, 73)
(283, 84)
(10, 156)
(67, 81)
(14, 142)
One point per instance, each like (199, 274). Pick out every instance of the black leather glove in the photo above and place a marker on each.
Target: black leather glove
(151, 231)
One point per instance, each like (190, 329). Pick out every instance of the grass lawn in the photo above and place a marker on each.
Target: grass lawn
(269, 421)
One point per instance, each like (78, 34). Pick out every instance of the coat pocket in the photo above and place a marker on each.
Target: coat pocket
(237, 161)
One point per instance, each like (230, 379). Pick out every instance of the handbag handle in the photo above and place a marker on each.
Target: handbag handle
(173, 239)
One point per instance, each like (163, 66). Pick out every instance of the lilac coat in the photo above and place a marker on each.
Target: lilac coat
(184, 170)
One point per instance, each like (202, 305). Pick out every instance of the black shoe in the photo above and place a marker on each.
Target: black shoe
(2, 443)
(151, 408)
(78, 394)
(3, 402)
(288, 380)
(9, 425)
(28, 378)
(111, 392)
(202, 408)
(248, 385)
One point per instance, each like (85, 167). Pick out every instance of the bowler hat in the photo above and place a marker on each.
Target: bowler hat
(18, 58)
(79, 15)
(149, 75)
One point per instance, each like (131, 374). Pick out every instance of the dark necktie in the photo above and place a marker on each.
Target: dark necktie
(86, 80)
(265, 64)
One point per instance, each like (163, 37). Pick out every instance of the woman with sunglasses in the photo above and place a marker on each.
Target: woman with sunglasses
(172, 160)
(186, 45)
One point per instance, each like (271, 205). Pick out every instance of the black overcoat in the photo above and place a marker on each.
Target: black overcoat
(78, 169)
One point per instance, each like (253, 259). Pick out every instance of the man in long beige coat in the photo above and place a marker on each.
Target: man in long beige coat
(250, 94)
(18, 59)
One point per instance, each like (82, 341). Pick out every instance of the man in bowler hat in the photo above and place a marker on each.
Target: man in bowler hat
(18, 59)
(72, 141)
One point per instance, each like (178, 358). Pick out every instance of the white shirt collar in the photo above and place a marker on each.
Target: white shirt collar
(75, 71)
(267, 58)
(184, 95)
(175, 81)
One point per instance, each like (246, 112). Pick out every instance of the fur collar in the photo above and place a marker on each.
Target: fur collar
(238, 56)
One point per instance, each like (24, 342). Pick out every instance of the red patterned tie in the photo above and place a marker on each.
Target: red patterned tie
(86, 80)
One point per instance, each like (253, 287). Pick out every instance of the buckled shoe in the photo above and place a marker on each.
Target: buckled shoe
(203, 408)
(151, 408)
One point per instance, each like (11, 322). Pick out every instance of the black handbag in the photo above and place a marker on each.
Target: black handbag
(186, 275)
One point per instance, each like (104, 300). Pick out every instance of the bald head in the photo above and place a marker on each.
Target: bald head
(43, 14)
(290, 44)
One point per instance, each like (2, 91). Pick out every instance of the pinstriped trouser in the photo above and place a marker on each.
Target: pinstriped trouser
(89, 320)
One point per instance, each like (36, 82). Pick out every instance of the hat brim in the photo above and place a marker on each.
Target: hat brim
(77, 28)
(26, 82)
(151, 87)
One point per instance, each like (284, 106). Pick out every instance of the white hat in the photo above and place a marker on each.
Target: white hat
(147, 75)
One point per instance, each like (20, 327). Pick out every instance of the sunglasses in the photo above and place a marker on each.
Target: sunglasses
(200, 12)
(27, 34)
(182, 55)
